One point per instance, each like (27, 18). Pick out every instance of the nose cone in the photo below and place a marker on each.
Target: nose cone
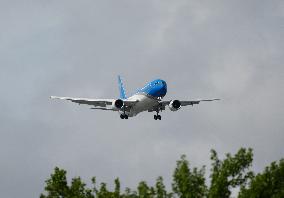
(156, 88)
(163, 89)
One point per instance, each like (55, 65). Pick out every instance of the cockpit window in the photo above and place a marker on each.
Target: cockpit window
(159, 82)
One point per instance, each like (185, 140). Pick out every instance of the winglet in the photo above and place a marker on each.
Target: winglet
(121, 88)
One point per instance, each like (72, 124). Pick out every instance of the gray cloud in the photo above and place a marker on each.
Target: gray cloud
(232, 50)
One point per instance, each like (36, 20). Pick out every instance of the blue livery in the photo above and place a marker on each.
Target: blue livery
(156, 88)
(121, 89)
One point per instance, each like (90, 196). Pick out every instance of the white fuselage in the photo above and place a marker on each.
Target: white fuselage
(144, 103)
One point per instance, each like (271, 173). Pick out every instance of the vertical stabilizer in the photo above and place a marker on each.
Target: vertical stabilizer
(121, 89)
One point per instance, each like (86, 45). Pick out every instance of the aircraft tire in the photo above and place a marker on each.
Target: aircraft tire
(121, 116)
(155, 117)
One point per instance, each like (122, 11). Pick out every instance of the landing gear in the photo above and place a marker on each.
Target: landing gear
(157, 117)
(123, 116)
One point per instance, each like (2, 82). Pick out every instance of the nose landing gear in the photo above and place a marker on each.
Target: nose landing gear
(157, 117)
(123, 116)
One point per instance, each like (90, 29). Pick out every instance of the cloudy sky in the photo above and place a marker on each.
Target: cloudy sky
(233, 50)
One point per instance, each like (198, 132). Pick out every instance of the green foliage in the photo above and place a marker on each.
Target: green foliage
(231, 172)
(57, 187)
(187, 183)
(116, 193)
(161, 189)
(129, 194)
(143, 190)
(270, 183)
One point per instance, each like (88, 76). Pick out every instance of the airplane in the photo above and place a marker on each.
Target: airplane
(149, 98)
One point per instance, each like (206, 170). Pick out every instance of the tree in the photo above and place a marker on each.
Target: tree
(129, 194)
(231, 172)
(116, 188)
(103, 192)
(77, 189)
(160, 189)
(57, 187)
(144, 191)
(270, 183)
(187, 183)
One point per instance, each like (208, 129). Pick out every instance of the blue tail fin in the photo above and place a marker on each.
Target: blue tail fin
(121, 88)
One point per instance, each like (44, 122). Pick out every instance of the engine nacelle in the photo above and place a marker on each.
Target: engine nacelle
(117, 104)
(174, 105)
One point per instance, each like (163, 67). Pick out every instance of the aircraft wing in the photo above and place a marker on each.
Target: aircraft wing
(188, 102)
(162, 104)
(101, 103)
(192, 102)
(185, 102)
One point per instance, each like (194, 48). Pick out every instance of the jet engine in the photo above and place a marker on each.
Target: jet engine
(174, 105)
(117, 104)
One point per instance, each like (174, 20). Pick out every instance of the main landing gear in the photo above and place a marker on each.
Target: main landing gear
(123, 116)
